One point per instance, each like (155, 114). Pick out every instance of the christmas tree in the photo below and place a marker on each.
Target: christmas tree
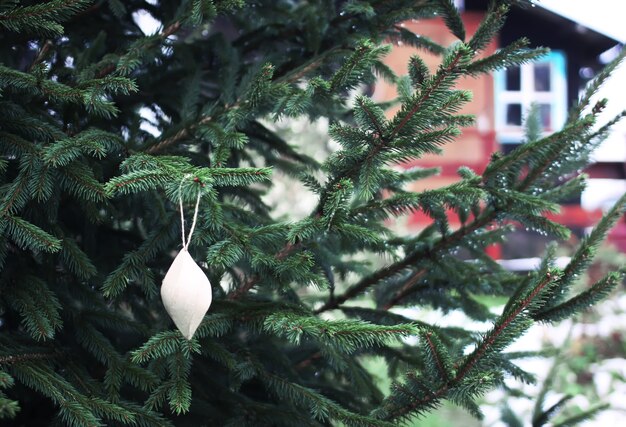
(105, 131)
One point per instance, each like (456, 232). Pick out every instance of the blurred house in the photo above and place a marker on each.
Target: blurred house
(501, 101)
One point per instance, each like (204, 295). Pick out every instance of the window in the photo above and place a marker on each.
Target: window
(517, 88)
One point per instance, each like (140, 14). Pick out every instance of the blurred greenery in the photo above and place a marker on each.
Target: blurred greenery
(576, 363)
(447, 415)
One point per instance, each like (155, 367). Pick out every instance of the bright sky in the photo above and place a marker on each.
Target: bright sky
(604, 16)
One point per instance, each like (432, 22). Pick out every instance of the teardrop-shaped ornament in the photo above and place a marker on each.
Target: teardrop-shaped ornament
(186, 293)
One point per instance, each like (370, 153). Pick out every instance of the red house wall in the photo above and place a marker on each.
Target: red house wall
(474, 147)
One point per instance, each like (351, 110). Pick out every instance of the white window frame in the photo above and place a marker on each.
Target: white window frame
(556, 97)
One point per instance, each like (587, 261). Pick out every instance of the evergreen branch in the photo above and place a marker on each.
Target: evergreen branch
(346, 335)
(357, 58)
(76, 260)
(603, 130)
(74, 405)
(6, 380)
(235, 176)
(407, 289)
(97, 344)
(512, 55)
(43, 18)
(311, 65)
(74, 414)
(137, 181)
(42, 54)
(396, 205)
(462, 378)
(38, 306)
(241, 291)
(443, 243)
(215, 325)
(586, 415)
(569, 132)
(319, 406)
(594, 86)
(79, 181)
(452, 18)
(180, 135)
(127, 62)
(383, 317)
(143, 417)
(415, 40)
(439, 355)
(441, 76)
(489, 26)
(14, 144)
(92, 142)
(542, 418)
(293, 76)
(8, 408)
(429, 399)
(93, 96)
(373, 120)
(595, 293)
(17, 197)
(29, 236)
(538, 171)
(502, 325)
(179, 394)
(175, 165)
(52, 10)
(158, 346)
(289, 77)
(111, 411)
(42, 187)
(418, 71)
(583, 256)
(133, 266)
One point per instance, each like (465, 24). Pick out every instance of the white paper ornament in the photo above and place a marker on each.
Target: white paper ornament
(186, 291)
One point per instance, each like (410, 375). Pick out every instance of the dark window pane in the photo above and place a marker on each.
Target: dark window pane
(514, 114)
(542, 77)
(524, 244)
(513, 81)
(545, 112)
(507, 148)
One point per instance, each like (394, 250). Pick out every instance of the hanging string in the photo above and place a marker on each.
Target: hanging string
(182, 214)
(193, 223)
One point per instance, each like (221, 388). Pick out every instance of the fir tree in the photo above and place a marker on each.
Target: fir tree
(89, 220)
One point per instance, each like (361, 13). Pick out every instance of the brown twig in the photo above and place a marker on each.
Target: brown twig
(395, 268)
(306, 362)
(406, 289)
(8, 360)
(254, 279)
(42, 54)
(181, 134)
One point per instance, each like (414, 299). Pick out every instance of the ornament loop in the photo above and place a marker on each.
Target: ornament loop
(187, 241)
